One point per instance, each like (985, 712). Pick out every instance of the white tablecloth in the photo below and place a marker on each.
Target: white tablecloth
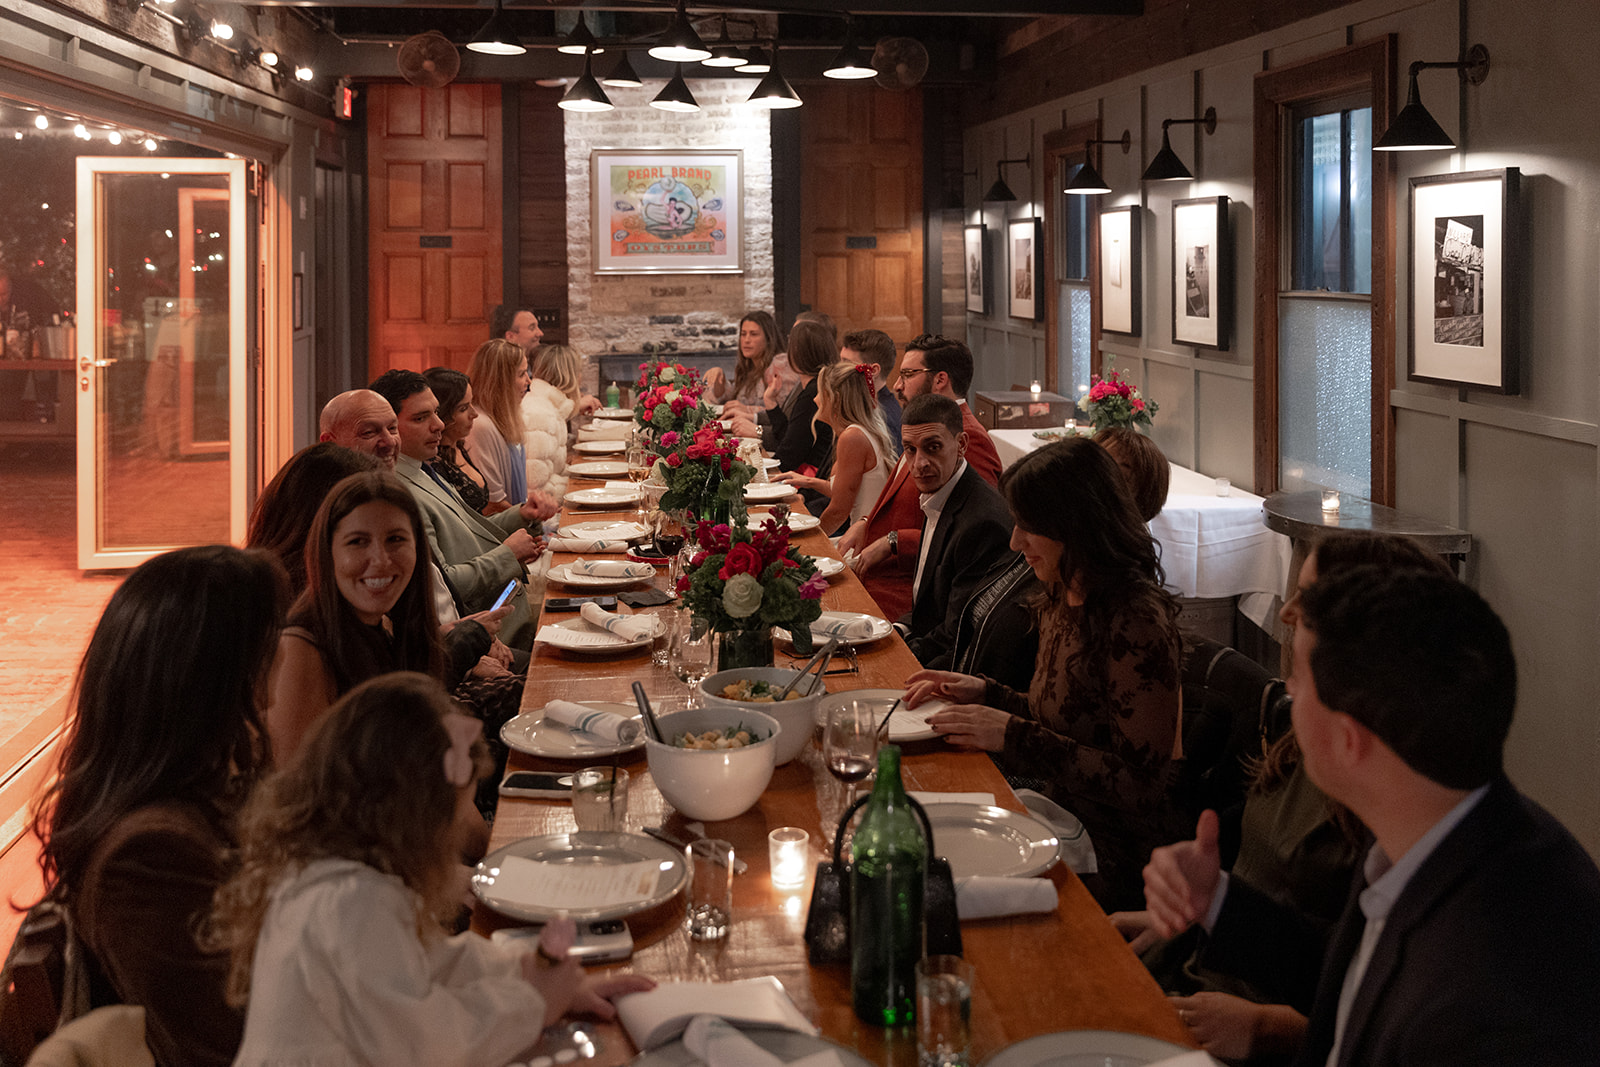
(1211, 546)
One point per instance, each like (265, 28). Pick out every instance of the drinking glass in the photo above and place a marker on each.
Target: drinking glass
(638, 471)
(689, 653)
(600, 799)
(670, 535)
(944, 1011)
(709, 897)
(850, 739)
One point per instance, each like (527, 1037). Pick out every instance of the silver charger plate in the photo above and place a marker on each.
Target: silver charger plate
(1085, 1048)
(600, 447)
(605, 531)
(990, 840)
(564, 575)
(787, 1045)
(881, 628)
(591, 848)
(767, 491)
(533, 734)
(614, 413)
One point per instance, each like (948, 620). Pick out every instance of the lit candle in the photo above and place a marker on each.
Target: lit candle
(1036, 388)
(787, 855)
(1330, 500)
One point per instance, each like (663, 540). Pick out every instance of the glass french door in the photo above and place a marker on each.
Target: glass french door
(163, 332)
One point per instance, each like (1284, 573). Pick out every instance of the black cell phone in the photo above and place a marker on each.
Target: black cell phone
(537, 784)
(602, 941)
(573, 603)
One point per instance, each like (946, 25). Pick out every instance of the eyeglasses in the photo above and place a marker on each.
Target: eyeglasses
(913, 372)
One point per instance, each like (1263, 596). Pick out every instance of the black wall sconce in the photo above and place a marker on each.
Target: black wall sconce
(1414, 130)
(1087, 182)
(1000, 192)
(1167, 167)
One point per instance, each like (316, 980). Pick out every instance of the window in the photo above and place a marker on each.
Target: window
(1073, 304)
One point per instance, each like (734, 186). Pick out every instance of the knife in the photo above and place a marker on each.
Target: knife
(739, 865)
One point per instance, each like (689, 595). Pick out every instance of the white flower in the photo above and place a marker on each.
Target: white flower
(672, 397)
(668, 374)
(741, 596)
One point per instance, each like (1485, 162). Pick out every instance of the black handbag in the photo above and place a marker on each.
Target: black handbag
(828, 918)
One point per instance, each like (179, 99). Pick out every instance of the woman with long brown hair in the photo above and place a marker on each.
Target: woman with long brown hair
(500, 379)
(761, 371)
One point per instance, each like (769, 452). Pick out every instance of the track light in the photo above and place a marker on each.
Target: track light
(1167, 167)
(724, 53)
(773, 91)
(114, 137)
(303, 73)
(680, 44)
(496, 38)
(585, 94)
(623, 76)
(221, 30)
(1087, 182)
(268, 58)
(41, 122)
(1414, 130)
(676, 96)
(81, 132)
(149, 144)
(580, 42)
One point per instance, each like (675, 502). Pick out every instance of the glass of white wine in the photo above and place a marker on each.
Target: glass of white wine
(638, 471)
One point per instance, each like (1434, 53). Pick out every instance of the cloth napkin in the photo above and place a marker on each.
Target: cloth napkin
(585, 544)
(984, 897)
(610, 568)
(606, 430)
(605, 725)
(627, 627)
(851, 628)
(922, 797)
(716, 1043)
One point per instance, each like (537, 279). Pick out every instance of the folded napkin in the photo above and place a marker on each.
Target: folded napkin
(627, 627)
(716, 1043)
(606, 725)
(983, 897)
(610, 568)
(948, 798)
(1077, 851)
(1187, 1059)
(606, 430)
(850, 628)
(585, 544)
(580, 639)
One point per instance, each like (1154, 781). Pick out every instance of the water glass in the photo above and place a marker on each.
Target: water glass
(600, 799)
(690, 652)
(709, 911)
(944, 1011)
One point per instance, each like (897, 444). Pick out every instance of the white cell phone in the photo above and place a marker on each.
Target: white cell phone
(505, 595)
(537, 784)
(601, 941)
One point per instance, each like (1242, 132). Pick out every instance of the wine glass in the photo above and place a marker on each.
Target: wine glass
(670, 535)
(638, 470)
(689, 653)
(850, 739)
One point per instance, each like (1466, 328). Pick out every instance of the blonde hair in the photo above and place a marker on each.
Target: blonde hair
(856, 405)
(561, 366)
(368, 786)
(493, 371)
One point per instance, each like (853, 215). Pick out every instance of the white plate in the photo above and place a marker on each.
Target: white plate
(1085, 1048)
(828, 567)
(768, 491)
(592, 849)
(564, 575)
(614, 413)
(880, 629)
(786, 1045)
(906, 724)
(579, 638)
(985, 839)
(771, 463)
(537, 736)
(600, 448)
(600, 468)
(603, 498)
(605, 531)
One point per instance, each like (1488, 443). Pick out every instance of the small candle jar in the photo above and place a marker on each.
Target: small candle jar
(1330, 501)
(1071, 426)
(788, 856)
(1224, 487)
(1036, 388)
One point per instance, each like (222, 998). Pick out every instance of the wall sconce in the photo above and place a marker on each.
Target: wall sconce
(680, 44)
(676, 96)
(496, 38)
(586, 94)
(1000, 192)
(1414, 130)
(580, 42)
(1167, 167)
(1087, 182)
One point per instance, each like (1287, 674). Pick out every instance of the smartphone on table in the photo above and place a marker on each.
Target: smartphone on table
(545, 784)
(574, 603)
(600, 941)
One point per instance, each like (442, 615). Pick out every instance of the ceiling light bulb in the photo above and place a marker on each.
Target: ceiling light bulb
(149, 144)
(114, 137)
(222, 31)
(80, 130)
(303, 74)
(41, 122)
(269, 58)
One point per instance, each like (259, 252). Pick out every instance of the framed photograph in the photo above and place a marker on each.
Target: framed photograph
(1023, 236)
(1202, 273)
(979, 269)
(1121, 274)
(667, 211)
(1466, 235)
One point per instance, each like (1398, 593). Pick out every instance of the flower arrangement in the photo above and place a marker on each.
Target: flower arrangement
(744, 579)
(669, 398)
(1113, 402)
(703, 474)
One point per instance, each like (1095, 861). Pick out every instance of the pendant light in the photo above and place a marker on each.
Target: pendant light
(586, 94)
(850, 64)
(1000, 192)
(774, 91)
(580, 42)
(755, 61)
(1414, 130)
(724, 53)
(623, 76)
(680, 44)
(496, 38)
(676, 96)
(1166, 166)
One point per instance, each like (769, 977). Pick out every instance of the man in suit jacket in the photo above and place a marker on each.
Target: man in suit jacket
(1474, 926)
(477, 555)
(931, 365)
(966, 525)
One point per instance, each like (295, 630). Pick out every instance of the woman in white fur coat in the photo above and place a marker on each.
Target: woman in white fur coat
(551, 401)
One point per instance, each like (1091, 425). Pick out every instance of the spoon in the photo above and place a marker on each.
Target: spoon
(649, 715)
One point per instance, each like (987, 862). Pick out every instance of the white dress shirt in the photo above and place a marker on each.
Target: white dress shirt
(933, 507)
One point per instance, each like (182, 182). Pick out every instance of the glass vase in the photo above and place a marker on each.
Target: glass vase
(744, 648)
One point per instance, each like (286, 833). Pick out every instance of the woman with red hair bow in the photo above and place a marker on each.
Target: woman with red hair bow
(863, 453)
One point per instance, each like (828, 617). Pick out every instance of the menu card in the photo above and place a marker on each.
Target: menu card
(574, 886)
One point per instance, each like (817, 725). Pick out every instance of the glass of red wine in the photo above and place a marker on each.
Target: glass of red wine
(671, 532)
(850, 739)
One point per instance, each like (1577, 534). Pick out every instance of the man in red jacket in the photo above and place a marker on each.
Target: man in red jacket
(887, 541)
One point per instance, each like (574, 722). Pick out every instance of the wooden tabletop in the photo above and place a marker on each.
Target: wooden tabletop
(1036, 974)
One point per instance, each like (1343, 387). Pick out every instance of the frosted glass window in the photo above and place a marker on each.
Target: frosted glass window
(1325, 395)
(1072, 361)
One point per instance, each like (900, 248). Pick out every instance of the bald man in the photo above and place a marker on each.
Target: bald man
(364, 421)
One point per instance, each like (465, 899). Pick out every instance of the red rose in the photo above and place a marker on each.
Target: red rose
(742, 559)
(674, 460)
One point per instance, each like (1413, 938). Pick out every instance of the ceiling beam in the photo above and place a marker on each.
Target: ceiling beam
(969, 8)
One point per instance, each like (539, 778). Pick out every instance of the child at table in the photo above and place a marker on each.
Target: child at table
(349, 866)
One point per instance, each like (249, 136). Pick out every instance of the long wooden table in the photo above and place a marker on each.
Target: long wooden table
(1036, 974)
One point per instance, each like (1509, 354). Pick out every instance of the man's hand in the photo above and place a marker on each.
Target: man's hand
(853, 538)
(539, 506)
(744, 426)
(524, 546)
(1180, 879)
(490, 620)
(1135, 928)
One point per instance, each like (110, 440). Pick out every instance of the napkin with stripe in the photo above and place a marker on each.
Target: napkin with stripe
(627, 627)
(848, 628)
(716, 1043)
(610, 568)
(585, 544)
(606, 430)
(605, 725)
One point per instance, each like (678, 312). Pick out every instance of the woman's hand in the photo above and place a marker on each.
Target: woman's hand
(744, 426)
(488, 667)
(854, 539)
(715, 378)
(972, 726)
(946, 685)
(1234, 1028)
(540, 506)
(800, 481)
(557, 984)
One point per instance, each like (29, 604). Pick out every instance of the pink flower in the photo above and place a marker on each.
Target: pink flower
(1138, 405)
(813, 587)
(669, 438)
(1100, 391)
(742, 559)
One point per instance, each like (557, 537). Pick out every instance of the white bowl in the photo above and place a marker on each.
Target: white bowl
(795, 716)
(713, 784)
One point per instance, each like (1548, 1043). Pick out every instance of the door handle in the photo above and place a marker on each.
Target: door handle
(85, 364)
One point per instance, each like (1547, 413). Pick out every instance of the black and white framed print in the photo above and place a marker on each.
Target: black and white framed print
(1202, 273)
(1121, 278)
(1465, 302)
(1023, 236)
(979, 269)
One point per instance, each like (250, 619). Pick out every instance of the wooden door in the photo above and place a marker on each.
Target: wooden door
(434, 233)
(861, 207)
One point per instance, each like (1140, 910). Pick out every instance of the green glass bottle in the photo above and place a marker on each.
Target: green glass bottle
(613, 395)
(888, 865)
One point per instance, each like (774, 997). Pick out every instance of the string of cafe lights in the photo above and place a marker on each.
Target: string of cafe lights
(44, 122)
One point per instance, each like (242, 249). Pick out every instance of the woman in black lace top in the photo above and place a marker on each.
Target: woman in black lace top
(454, 392)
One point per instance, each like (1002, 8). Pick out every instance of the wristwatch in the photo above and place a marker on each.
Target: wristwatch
(894, 542)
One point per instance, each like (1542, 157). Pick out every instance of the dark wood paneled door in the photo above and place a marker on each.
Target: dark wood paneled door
(434, 159)
(861, 207)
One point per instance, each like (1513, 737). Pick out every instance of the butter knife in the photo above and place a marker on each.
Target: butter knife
(739, 865)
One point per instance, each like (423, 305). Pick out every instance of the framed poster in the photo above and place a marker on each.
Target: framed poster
(1465, 236)
(1202, 273)
(1023, 237)
(979, 269)
(667, 211)
(1121, 274)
